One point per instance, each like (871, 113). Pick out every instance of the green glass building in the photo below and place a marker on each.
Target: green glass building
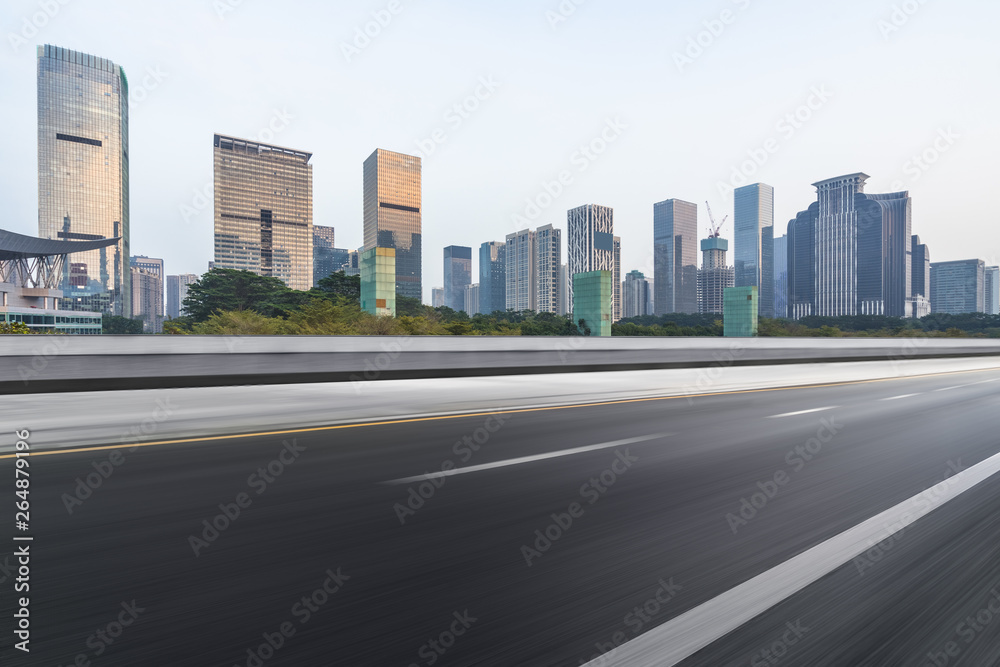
(593, 301)
(740, 312)
(378, 281)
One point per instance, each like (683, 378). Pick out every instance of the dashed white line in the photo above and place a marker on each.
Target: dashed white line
(692, 631)
(896, 398)
(958, 386)
(528, 459)
(802, 412)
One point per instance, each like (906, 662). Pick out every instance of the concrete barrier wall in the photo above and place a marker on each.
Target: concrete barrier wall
(31, 364)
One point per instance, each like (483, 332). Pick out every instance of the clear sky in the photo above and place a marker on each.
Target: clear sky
(888, 81)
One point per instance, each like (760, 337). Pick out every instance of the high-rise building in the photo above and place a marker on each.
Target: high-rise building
(991, 287)
(885, 247)
(457, 275)
(147, 277)
(715, 275)
(920, 282)
(802, 263)
(83, 173)
(548, 262)
(327, 257)
(617, 279)
(352, 267)
(392, 214)
(754, 242)
(635, 295)
(263, 210)
(437, 297)
(177, 289)
(492, 277)
(471, 299)
(564, 304)
(675, 257)
(958, 287)
(522, 290)
(590, 244)
(781, 277)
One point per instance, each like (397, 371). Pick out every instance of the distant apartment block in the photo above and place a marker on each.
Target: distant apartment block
(635, 297)
(715, 276)
(177, 289)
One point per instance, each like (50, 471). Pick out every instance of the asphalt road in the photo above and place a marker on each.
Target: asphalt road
(642, 503)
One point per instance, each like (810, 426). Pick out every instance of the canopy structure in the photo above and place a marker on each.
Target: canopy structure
(28, 261)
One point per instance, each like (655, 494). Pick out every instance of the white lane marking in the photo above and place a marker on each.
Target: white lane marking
(959, 386)
(986, 381)
(692, 631)
(803, 412)
(529, 459)
(896, 398)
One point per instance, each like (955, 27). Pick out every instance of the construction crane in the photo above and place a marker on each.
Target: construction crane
(716, 227)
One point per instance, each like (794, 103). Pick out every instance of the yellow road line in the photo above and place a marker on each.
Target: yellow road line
(315, 429)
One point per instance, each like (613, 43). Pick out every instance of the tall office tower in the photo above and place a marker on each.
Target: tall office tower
(522, 291)
(392, 196)
(958, 287)
(548, 262)
(263, 210)
(177, 289)
(802, 263)
(492, 277)
(754, 242)
(635, 295)
(675, 257)
(885, 248)
(457, 275)
(564, 302)
(590, 244)
(471, 294)
(837, 245)
(920, 286)
(715, 276)
(437, 297)
(83, 173)
(617, 279)
(327, 258)
(991, 290)
(352, 266)
(781, 277)
(146, 275)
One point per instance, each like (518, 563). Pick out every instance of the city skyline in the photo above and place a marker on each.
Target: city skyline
(479, 163)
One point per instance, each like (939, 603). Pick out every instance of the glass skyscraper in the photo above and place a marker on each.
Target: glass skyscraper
(457, 275)
(83, 174)
(392, 210)
(590, 244)
(492, 277)
(802, 263)
(754, 239)
(958, 287)
(781, 277)
(885, 247)
(675, 257)
(263, 210)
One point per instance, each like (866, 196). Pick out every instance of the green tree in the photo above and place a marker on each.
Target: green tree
(338, 285)
(226, 290)
(323, 318)
(14, 328)
(238, 323)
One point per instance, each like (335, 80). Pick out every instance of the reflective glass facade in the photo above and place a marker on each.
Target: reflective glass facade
(590, 244)
(741, 312)
(263, 210)
(884, 254)
(392, 214)
(457, 275)
(675, 257)
(177, 289)
(327, 257)
(836, 237)
(781, 277)
(958, 287)
(802, 263)
(635, 296)
(754, 237)
(492, 277)
(378, 281)
(83, 173)
(992, 290)
(593, 301)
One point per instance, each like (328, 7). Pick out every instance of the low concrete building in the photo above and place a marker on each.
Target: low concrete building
(740, 312)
